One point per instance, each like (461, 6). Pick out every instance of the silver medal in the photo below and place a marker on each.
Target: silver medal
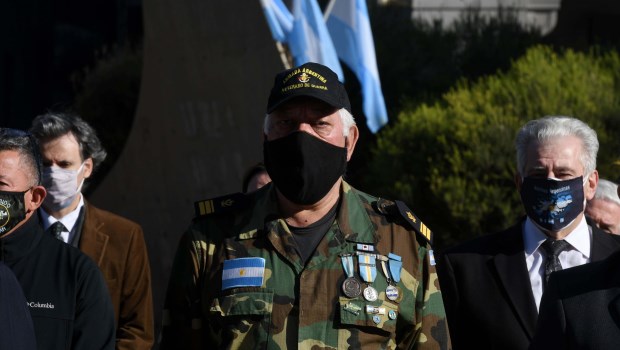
(370, 293)
(392, 293)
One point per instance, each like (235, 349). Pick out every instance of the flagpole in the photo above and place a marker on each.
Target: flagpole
(328, 9)
(284, 55)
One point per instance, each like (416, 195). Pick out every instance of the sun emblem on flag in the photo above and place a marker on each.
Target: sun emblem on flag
(241, 272)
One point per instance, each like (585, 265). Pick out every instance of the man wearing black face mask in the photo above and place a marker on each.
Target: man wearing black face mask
(65, 291)
(307, 260)
(493, 285)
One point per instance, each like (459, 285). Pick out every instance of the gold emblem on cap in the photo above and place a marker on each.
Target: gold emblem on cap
(303, 77)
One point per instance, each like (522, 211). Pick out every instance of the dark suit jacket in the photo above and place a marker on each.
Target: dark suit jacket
(487, 291)
(117, 246)
(581, 308)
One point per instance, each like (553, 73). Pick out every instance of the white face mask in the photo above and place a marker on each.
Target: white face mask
(61, 185)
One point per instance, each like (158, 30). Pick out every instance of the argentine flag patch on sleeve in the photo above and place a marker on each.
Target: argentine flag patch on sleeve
(243, 272)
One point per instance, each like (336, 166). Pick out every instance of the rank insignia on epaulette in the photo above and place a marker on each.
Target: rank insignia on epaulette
(414, 221)
(220, 205)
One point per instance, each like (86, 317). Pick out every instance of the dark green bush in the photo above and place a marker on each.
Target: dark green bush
(454, 161)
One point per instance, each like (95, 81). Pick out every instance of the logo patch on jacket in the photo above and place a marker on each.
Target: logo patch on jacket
(243, 272)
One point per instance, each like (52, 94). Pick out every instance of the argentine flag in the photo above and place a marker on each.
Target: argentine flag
(309, 40)
(349, 27)
(279, 19)
(243, 272)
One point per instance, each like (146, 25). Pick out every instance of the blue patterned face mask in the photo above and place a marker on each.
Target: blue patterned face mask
(552, 204)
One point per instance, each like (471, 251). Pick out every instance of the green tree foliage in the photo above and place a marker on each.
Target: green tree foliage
(454, 161)
(419, 61)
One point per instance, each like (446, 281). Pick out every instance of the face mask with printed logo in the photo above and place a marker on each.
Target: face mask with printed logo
(61, 185)
(12, 210)
(551, 203)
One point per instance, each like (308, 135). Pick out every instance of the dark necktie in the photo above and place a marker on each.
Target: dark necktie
(56, 229)
(553, 248)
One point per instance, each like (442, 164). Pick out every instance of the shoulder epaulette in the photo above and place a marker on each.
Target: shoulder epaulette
(400, 209)
(221, 205)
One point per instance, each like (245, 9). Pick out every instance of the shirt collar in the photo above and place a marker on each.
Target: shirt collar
(579, 238)
(68, 220)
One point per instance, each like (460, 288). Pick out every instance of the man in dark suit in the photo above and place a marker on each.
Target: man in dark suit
(581, 308)
(492, 285)
(71, 152)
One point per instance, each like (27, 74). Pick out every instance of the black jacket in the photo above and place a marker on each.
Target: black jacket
(487, 291)
(16, 330)
(65, 291)
(581, 308)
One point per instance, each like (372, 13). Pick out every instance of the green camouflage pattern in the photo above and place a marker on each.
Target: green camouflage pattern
(300, 306)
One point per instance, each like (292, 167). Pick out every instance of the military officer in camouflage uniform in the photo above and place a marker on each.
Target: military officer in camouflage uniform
(307, 261)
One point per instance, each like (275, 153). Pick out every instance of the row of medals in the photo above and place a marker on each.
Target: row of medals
(352, 288)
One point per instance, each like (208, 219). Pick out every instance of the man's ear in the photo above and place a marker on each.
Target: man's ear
(351, 140)
(88, 167)
(35, 199)
(590, 185)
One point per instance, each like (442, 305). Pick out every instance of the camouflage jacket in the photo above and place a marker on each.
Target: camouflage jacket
(297, 305)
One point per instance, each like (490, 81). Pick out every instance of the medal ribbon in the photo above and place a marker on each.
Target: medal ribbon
(385, 271)
(396, 265)
(368, 267)
(347, 264)
(365, 247)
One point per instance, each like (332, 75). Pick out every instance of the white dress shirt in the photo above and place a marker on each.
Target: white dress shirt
(68, 220)
(580, 240)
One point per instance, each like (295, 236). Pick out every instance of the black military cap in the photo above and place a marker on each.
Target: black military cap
(311, 80)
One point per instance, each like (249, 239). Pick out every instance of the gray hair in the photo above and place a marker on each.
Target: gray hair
(607, 191)
(27, 148)
(52, 125)
(345, 117)
(557, 126)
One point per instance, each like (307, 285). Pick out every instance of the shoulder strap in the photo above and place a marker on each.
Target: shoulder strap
(220, 205)
(399, 210)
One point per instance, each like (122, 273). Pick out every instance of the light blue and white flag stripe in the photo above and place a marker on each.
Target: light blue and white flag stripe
(350, 31)
(309, 40)
(279, 19)
(243, 272)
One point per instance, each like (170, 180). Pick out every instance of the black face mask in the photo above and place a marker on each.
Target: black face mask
(12, 210)
(552, 204)
(303, 167)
